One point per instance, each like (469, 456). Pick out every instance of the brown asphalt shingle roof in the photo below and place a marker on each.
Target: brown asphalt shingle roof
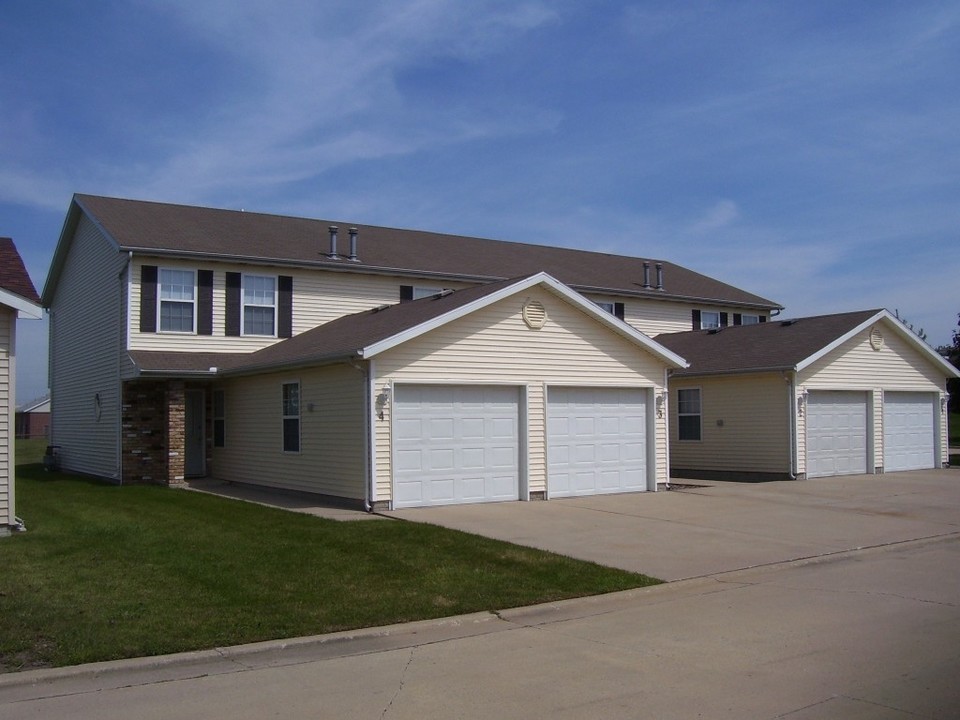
(778, 345)
(152, 227)
(13, 274)
(335, 340)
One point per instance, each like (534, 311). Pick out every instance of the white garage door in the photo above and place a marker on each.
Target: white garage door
(455, 444)
(836, 433)
(596, 441)
(908, 431)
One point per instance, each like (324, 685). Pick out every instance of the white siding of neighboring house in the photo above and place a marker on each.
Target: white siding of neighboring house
(655, 317)
(8, 319)
(755, 431)
(319, 296)
(87, 317)
(332, 453)
(493, 345)
(897, 366)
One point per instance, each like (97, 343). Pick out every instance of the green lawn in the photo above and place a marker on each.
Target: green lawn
(105, 572)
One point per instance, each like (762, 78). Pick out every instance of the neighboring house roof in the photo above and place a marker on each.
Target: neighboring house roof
(369, 333)
(39, 405)
(16, 287)
(782, 345)
(178, 230)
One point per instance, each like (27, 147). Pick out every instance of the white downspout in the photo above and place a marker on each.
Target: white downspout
(666, 421)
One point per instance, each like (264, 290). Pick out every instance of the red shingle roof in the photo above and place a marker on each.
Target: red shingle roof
(160, 228)
(13, 274)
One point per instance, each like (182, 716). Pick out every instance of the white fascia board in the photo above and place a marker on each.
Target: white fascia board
(899, 328)
(558, 288)
(25, 308)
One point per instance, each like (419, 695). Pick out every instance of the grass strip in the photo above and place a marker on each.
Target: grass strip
(107, 572)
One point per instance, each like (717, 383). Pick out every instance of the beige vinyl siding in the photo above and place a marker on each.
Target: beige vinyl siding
(494, 345)
(332, 441)
(897, 366)
(755, 431)
(319, 296)
(8, 319)
(87, 318)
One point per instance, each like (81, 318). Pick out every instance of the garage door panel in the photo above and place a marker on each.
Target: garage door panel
(909, 431)
(836, 433)
(455, 444)
(596, 440)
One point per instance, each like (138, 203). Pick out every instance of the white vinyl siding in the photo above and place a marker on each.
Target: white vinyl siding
(495, 346)
(332, 447)
(909, 431)
(290, 416)
(8, 318)
(896, 367)
(87, 317)
(745, 425)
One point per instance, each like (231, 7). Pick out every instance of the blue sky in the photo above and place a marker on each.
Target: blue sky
(808, 152)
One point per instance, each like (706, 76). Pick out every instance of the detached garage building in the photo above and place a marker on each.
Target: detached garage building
(842, 394)
(512, 390)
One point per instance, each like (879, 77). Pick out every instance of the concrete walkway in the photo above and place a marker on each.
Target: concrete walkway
(855, 632)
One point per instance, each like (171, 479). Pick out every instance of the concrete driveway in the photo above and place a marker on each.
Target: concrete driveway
(721, 527)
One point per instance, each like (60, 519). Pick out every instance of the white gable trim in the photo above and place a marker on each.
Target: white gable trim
(571, 296)
(27, 308)
(899, 328)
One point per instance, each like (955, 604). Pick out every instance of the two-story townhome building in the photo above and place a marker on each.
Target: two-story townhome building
(376, 365)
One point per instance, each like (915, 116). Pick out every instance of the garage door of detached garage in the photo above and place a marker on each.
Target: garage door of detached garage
(908, 431)
(596, 441)
(836, 433)
(455, 444)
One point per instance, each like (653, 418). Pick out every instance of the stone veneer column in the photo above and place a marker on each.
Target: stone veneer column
(176, 432)
(144, 423)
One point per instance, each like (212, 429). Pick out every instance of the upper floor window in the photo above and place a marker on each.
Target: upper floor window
(608, 306)
(749, 319)
(422, 292)
(688, 414)
(177, 306)
(709, 319)
(259, 305)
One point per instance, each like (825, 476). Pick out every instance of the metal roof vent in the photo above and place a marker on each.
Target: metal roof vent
(660, 276)
(353, 245)
(646, 274)
(333, 243)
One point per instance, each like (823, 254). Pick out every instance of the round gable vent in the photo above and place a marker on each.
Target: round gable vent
(876, 339)
(534, 314)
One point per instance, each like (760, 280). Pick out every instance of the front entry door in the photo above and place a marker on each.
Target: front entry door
(194, 441)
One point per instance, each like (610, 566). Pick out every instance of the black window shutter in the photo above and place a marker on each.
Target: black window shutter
(763, 318)
(737, 319)
(233, 304)
(724, 319)
(204, 302)
(618, 310)
(696, 319)
(285, 307)
(148, 298)
(406, 293)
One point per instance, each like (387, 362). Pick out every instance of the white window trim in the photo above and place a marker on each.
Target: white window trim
(420, 292)
(699, 415)
(754, 321)
(161, 301)
(244, 305)
(298, 417)
(606, 306)
(703, 313)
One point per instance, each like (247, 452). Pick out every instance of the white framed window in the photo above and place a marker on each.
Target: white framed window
(608, 306)
(259, 315)
(689, 414)
(709, 319)
(749, 319)
(219, 419)
(422, 292)
(177, 306)
(291, 416)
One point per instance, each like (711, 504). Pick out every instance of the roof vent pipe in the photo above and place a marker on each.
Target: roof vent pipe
(333, 243)
(646, 274)
(353, 245)
(659, 276)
